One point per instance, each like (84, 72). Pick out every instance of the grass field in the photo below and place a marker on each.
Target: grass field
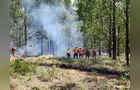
(49, 73)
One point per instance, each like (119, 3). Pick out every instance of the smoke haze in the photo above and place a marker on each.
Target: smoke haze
(59, 24)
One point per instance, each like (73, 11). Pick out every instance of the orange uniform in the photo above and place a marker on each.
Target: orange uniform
(80, 51)
(76, 50)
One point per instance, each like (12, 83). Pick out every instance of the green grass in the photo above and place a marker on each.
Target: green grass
(124, 76)
(21, 67)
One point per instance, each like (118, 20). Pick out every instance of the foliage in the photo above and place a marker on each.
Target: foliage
(21, 67)
(125, 76)
(21, 20)
(96, 17)
(16, 24)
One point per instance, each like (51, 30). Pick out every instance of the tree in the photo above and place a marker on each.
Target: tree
(110, 31)
(127, 32)
(114, 30)
(118, 42)
(16, 30)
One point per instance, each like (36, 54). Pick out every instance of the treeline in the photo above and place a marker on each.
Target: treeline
(22, 24)
(105, 25)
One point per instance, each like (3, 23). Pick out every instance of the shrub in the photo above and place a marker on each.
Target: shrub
(125, 75)
(21, 67)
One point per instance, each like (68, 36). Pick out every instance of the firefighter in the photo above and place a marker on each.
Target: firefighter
(80, 53)
(84, 53)
(76, 52)
(87, 53)
(68, 53)
(13, 51)
(94, 53)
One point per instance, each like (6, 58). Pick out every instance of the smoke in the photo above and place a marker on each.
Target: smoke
(59, 24)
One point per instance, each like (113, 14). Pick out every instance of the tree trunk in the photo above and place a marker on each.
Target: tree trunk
(41, 45)
(19, 39)
(110, 40)
(110, 33)
(25, 28)
(41, 37)
(99, 48)
(114, 30)
(127, 33)
(118, 42)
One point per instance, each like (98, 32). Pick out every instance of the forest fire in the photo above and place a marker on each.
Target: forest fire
(69, 45)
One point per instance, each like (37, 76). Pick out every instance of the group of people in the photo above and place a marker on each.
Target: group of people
(80, 52)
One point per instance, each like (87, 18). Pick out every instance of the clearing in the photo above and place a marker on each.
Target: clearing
(71, 74)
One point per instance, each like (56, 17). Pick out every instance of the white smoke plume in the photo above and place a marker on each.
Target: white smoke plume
(59, 24)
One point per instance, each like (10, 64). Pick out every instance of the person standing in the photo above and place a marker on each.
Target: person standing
(94, 53)
(80, 53)
(13, 51)
(87, 53)
(75, 52)
(68, 53)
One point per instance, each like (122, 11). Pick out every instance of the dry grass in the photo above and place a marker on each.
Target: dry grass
(55, 78)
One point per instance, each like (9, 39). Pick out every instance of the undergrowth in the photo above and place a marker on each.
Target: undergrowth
(50, 74)
(21, 67)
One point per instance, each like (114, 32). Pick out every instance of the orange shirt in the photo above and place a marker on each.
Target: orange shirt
(75, 50)
(80, 52)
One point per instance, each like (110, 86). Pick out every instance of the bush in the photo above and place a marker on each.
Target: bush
(21, 67)
(125, 75)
